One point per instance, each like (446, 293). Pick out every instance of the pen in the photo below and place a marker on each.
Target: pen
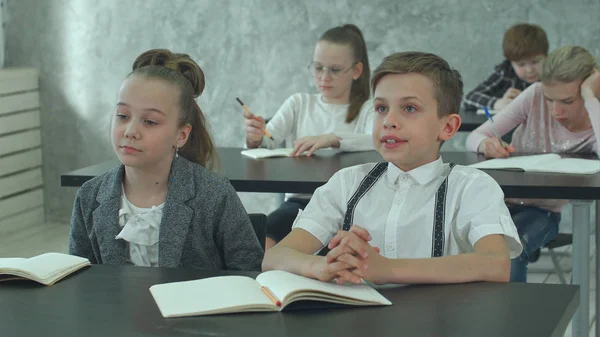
(489, 116)
(270, 295)
(267, 133)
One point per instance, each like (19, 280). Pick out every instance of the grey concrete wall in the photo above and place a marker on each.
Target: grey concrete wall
(253, 49)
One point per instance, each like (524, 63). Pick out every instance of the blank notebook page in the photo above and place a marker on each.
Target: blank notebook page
(482, 112)
(49, 264)
(574, 166)
(265, 153)
(208, 294)
(11, 262)
(525, 162)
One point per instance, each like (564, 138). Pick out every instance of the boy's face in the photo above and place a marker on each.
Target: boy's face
(529, 69)
(407, 130)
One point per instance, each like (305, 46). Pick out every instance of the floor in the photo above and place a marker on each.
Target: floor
(35, 240)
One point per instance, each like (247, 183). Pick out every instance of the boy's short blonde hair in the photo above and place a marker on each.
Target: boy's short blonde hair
(524, 41)
(567, 64)
(447, 82)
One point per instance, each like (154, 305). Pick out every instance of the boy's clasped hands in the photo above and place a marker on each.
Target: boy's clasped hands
(352, 258)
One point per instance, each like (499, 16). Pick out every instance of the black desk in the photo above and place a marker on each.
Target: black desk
(115, 301)
(294, 175)
(305, 174)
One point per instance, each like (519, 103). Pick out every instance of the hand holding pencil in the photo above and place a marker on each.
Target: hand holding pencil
(255, 127)
(494, 147)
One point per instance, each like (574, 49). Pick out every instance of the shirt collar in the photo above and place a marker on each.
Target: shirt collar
(422, 174)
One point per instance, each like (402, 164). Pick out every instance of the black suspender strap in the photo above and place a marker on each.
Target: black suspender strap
(365, 185)
(437, 246)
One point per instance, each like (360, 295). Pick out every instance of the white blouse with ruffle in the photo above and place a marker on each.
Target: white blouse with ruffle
(140, 229)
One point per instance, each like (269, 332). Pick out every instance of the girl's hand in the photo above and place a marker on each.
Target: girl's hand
(313, 143)
(495, 148)
(255, 129)
(591, 86)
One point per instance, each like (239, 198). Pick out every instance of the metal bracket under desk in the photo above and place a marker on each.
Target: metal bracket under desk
(581, 264)
(597, 234)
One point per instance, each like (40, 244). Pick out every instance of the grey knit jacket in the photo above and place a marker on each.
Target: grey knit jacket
(204, 224)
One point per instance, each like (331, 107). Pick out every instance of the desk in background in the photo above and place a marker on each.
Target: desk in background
(305, 174)
(115, 301)
(470, 120)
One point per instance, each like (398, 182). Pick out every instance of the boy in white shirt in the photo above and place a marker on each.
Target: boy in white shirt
(383, 222)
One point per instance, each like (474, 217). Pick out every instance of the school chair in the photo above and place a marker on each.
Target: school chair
(259, 223)
(561, 240)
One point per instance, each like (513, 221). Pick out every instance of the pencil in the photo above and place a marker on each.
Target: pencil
(267, 133)
(489, 116)
(270, 295)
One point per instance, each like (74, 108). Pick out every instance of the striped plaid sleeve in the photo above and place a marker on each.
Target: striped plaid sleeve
(487, 92)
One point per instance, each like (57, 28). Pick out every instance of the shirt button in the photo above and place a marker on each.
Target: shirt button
(398, 201)
(404, 178)
(390, 247)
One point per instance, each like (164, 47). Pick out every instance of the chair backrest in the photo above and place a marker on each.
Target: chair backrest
(259, 222)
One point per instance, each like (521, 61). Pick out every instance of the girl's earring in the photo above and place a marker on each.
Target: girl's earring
(176, 151)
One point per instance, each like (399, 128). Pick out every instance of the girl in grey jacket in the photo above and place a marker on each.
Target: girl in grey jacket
(163, 206)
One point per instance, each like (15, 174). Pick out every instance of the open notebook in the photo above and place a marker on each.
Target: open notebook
(482, 112)
(266, 153)
(271, 291)
(46, 269)
(550, 163)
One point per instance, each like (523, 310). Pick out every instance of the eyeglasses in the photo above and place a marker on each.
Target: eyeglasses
(317, 70)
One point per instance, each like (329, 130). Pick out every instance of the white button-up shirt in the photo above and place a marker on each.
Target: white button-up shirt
(398, 211)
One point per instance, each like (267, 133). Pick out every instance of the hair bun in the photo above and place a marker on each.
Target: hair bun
(352, 27)
(181, 63)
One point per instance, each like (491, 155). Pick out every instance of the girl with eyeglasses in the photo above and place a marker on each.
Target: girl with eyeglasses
(339, 116)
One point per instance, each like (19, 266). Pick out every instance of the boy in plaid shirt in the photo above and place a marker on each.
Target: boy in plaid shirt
(525, 46)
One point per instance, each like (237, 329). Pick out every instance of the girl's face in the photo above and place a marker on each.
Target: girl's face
(334, 69)
(144, 130)
(566, 105)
